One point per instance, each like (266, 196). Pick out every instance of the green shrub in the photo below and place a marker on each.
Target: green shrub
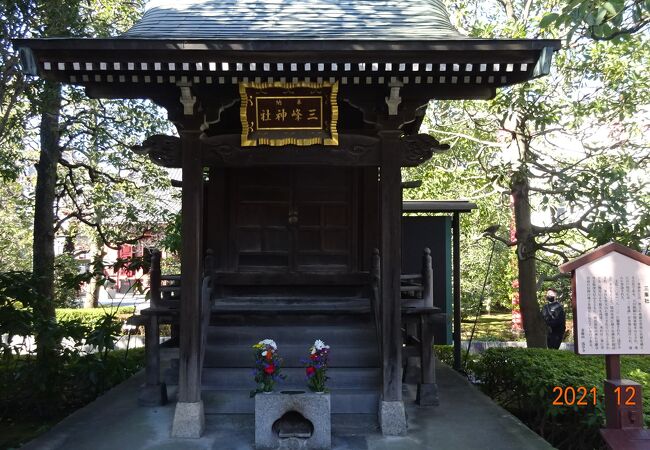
(32, 398)
(445, 353)
(90, 316)
(522, 381)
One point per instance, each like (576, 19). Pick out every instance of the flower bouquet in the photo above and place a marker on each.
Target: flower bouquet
(316, 369)
(267, 366)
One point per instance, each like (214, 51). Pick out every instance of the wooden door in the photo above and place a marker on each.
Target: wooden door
(297, 219)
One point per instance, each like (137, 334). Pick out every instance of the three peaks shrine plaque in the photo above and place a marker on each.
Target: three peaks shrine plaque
(279, 114)
(611, 317)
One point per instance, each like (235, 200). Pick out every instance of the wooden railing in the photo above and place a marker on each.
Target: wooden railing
(419, 286)
(418, 313)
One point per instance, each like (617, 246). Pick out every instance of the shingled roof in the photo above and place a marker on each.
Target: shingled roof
(296, 19)
(356, 42)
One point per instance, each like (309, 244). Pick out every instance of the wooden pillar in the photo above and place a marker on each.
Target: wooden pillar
(391, 257)
(189, 415)
(154, 278)
(456, 253)
(392, 416)
(427, 279)
(154, 392)
(427, 394)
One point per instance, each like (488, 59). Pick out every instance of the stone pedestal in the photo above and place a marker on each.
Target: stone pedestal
(293, 419)
(392, 418)
(189, 420)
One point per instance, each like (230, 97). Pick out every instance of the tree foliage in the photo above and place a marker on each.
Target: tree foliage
(570, 147)
(86, 173)
(600, 19)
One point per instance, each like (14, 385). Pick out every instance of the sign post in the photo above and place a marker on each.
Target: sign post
(611, 317)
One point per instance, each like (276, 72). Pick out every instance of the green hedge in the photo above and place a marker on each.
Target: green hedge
(522, 381)
(33, 397)
(89, 316)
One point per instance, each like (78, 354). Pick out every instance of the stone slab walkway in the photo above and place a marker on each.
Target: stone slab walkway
(466, 419)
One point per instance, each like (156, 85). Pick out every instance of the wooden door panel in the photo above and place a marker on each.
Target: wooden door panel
(336, 215)
(261, 200)
(319, 236)
(323, 200)
(336, 240)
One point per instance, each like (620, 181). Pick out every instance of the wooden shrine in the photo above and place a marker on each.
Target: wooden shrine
(294, 122)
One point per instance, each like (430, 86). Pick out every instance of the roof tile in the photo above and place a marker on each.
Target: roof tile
(295, 19)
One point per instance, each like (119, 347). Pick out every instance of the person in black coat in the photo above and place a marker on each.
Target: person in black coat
(555, 318)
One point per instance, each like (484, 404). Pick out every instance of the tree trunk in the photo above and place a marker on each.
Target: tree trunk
(91, 299)
(43, 259)
(534, 326)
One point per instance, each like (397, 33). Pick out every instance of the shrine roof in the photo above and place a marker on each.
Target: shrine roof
(225, 42)
(602, 251)
(295, 19)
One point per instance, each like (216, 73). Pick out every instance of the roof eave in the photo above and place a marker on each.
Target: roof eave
(287, 44)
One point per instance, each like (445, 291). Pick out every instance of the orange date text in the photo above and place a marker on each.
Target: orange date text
(578, 396)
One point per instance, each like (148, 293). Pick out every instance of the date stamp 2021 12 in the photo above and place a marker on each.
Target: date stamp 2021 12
(584, 396)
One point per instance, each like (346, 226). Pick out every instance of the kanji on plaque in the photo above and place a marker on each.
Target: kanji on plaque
(289, 113)
(279, 114)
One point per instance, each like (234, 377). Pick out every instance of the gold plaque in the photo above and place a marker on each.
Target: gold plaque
(289, 114)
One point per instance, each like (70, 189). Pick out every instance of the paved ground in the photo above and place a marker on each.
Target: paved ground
(466, 419)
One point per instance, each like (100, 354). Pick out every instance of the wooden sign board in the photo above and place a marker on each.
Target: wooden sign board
(289, 114)
(611, 302)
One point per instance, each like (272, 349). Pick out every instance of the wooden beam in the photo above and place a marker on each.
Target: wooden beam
(391, 214)
(353, 150)
(189, 379)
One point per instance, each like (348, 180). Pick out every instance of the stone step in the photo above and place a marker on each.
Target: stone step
(344, 401)
(292, 318)
(293, 305)
(242, 378)
(229, 355)
(292, 334)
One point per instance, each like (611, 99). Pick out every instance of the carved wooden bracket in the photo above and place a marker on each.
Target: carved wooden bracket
(162, 149)
(419, 148)
(225, 150)
(353, 150)
(187, 99)
(394, 100)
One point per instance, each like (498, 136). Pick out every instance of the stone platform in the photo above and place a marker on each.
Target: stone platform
(466, 419)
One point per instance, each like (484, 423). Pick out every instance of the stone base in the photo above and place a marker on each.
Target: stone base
(392, 418)
(189, 420)
(153, 395)
(315, 408)
(427, 394)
